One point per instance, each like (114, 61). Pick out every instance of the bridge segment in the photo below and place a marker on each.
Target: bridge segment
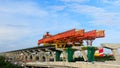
(28, 57)
(114, 48)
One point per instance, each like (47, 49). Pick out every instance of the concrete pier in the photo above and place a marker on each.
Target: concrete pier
(40, 57)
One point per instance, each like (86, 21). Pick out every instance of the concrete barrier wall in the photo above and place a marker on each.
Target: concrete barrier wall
(75, 64)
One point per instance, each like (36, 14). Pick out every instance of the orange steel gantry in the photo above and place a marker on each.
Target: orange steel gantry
(71, 37)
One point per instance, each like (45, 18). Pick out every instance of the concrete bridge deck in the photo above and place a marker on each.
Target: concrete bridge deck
(72, 65)
(31, 56)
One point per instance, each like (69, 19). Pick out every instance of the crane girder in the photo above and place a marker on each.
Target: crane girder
(73, 35)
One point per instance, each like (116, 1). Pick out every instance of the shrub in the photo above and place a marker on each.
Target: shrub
(6, 64)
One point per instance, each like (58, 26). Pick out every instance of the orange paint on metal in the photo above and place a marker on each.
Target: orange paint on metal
(79, 33)
(73, 36)
(64, 34)
(100, 33)
(90, 33)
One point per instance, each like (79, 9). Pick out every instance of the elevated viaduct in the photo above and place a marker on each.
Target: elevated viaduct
(66, 43)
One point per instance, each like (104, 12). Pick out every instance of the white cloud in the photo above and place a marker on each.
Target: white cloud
(86, 9)
(57, 8)
(16, 20)
(99, 16)
(106, 18)
(78, 1)
(111, 2)
(12, 34)
(28, 8)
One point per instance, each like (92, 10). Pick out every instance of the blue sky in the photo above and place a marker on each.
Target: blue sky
(23, 22)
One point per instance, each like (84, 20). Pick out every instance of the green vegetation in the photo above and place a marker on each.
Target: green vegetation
(98, 58)
(105, 58)
(6, 64)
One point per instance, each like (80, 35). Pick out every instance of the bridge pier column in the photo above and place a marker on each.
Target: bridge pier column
(28, 58)
(50, 55)
(41, 54)
(17, 55)
(33, 57)
(28, 55)
(84, 55)
(65, 57)
(13, 56)
(25, 56)
(46, 57)
(21, 56)
(53, 55)
(41, 58)
(70, 53)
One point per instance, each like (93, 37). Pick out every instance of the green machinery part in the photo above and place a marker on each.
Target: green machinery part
(58, 55)
(70, 53)
(90, 53)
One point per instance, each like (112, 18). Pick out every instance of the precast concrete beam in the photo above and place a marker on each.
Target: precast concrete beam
(40, 50)
(116, 54)
(114, 48)
(110, 45)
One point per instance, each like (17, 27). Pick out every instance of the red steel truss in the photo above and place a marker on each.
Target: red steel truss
(73, 36)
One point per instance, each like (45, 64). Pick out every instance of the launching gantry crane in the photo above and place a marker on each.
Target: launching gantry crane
(71, 38)
(66, 41)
